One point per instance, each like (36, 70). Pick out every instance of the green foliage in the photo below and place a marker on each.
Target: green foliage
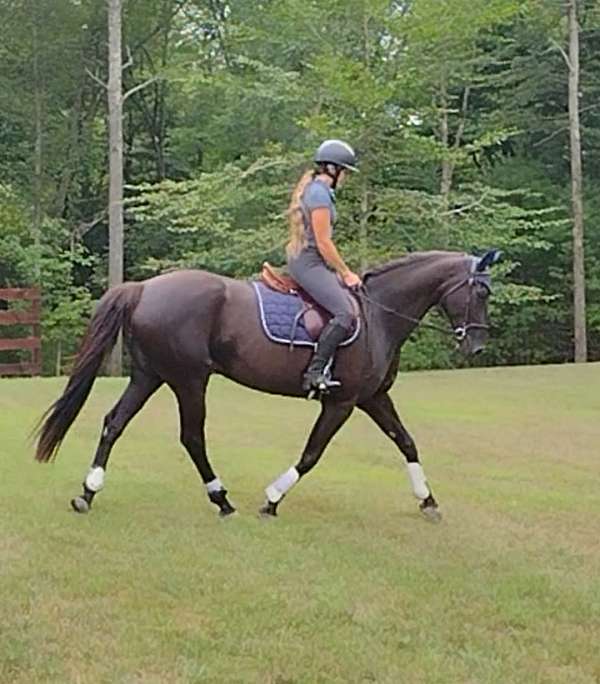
(16, 254)
(66, 305)
(200, 216)
(53, 264)
(458, 111)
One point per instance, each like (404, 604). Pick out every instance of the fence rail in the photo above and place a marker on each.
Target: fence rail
(32, 343)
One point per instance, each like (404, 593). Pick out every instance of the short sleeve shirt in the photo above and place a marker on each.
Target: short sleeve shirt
(316, 195)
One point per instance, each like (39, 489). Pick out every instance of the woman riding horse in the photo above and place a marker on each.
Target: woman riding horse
(313, 259)
(185, 326)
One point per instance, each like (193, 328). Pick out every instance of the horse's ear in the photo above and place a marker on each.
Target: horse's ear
(488, 259)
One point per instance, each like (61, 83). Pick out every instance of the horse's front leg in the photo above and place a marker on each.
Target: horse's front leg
(381, 409)
(330, 420)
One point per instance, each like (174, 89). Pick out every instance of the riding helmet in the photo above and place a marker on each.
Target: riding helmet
(336, 152)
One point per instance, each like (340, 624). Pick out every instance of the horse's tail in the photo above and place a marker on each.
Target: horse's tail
(113, 312)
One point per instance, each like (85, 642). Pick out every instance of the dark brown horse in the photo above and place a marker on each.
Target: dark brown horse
(182, 327)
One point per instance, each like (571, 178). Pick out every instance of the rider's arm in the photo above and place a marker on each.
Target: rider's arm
(321, 223)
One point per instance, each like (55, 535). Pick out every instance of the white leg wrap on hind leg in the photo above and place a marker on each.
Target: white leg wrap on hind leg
(214, 485)
(282, 485)
(418, 481)
(95, 479)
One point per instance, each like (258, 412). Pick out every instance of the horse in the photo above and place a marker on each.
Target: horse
(183, 326)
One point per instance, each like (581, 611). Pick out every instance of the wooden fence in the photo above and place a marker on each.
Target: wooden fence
(29, 317)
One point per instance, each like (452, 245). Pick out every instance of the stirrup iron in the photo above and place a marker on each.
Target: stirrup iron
(325, 383)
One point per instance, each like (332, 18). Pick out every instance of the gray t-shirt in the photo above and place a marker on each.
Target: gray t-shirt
(316, 195)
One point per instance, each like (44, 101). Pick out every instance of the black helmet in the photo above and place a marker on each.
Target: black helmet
(336, 152)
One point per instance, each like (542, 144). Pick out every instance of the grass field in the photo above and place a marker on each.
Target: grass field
(349, 584)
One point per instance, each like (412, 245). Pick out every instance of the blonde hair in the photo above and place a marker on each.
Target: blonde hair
(297, 240)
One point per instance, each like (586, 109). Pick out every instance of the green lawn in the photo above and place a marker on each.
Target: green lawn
(349, 584)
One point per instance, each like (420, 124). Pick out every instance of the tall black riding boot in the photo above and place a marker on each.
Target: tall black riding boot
(315, 377)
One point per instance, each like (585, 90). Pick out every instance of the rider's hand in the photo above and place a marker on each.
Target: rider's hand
(351, 280)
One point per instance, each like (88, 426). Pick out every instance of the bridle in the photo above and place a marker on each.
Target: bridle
(460, 331)
(475, 278)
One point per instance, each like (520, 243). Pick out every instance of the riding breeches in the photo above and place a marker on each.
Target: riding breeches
(310, 271)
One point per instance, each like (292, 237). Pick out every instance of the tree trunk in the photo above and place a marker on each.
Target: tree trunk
(447, 166)
(115, 194)
(363, 231)
(58, 367)
(576, 188)
(38, 145)
(449, 163)
(72, 153)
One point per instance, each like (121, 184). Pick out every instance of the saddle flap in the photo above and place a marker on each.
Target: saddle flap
(275, 280)
(315, 319)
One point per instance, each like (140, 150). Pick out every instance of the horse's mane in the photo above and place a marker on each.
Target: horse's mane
(407, 260)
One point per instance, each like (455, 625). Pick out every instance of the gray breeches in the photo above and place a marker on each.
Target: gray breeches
(310, 271)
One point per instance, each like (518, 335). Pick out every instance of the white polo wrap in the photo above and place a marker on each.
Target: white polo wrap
(417, 480)
(95, 479)
(214, 485)
(282, 485)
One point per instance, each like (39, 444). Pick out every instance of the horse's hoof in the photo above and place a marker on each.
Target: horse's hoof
(268, 511)
(80, 505)
(227, 513)
(431, 513)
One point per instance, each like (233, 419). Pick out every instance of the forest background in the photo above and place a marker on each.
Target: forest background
(458, 110)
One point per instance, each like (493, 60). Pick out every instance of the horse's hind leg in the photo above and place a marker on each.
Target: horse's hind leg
(330, 420)
(192, 414)
(142, 385)
(381, 409)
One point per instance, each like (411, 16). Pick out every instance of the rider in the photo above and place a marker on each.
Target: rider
(313, 259)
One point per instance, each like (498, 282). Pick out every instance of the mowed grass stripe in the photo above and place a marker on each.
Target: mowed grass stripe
(349, 584)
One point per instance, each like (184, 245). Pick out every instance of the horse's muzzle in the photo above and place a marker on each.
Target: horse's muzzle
(473, 342)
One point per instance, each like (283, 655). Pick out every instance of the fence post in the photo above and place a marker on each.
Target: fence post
(31, 343)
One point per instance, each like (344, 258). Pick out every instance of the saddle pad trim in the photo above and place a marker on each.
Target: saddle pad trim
(294, 343)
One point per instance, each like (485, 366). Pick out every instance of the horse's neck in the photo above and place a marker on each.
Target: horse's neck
(412, 289)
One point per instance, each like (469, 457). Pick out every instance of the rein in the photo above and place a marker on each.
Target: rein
(410, 319)
(460, 331)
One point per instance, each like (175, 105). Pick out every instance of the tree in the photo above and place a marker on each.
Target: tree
(576, 186)
(459, 111)
(115, 144)
(116, 99)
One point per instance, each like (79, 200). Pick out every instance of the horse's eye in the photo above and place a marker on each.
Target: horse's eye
(482, 292)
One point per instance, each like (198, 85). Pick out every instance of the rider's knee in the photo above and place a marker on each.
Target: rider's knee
(345, 320)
